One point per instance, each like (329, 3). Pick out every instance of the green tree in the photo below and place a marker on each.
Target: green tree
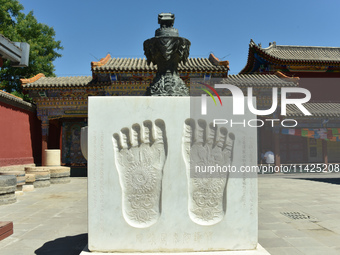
(18, 27)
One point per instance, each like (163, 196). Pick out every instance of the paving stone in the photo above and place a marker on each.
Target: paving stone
(273, 242)
(32, 216)
(289, 233)
(305, 224)
(275, 225)
(321, 250)
(267, 234)
(284, 251)
(330, 241)
(11, 240)
(304, 236)
(302, 241)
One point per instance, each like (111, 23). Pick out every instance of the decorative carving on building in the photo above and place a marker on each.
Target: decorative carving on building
(205, 146)
(71, 148)
(167, 50)
(140, 154)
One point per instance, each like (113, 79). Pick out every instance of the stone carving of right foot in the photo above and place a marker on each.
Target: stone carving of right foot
(201, 152)
(140, 154)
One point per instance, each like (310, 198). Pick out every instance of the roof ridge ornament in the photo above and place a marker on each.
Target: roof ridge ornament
(101, 62)
(33, 79)
(289, 78)
(252, 43)
(273, 44)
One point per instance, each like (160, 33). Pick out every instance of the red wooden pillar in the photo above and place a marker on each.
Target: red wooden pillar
(44, 133)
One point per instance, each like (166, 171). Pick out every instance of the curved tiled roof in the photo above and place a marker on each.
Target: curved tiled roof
(281, 54)
(241, 80)
(73, 81)
(140, 65)
(303, 53)
(316, 109)
(260, 80)
(15, 101)
(33, 79)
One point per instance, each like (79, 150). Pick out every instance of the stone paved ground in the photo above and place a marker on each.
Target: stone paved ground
(316, 196)
(53, 220)
(48, 221)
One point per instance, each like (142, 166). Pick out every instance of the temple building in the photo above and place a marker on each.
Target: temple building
(316, 138)
(62, 101)
(299, 61)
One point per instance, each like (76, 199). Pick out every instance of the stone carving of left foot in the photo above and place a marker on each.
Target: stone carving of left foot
(207, 152)
(140, 154)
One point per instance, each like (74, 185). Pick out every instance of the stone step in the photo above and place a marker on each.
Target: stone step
(60, 171)
(8, 184)
(42, 176)
(60, 180)
(8, 198)
(30, 178)
(60, 175)
(20, 175)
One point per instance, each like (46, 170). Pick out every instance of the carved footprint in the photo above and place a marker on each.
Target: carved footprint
(140, 155)
(200, 151)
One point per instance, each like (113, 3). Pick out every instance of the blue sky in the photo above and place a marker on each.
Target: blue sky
(90, 29)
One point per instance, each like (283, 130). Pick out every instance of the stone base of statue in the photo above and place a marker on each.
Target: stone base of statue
(158, 178)
(167, 85)
(258, 251)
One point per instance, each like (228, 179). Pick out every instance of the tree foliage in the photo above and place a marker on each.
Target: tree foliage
(19, 27)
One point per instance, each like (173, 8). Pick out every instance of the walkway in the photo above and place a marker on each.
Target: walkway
(53, 220)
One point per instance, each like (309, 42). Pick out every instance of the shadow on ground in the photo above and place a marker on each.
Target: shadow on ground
(326, 180)
(69, 245)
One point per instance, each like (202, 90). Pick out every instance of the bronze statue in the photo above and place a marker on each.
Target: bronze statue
(167, 50)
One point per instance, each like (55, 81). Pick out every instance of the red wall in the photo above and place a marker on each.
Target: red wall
(322, 89)
(20, 141)
(323, 86)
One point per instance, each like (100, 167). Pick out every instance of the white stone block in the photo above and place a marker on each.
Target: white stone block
(52, 157)
(153, 205)
(19, 192)
(28, 187)
(258, 251)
